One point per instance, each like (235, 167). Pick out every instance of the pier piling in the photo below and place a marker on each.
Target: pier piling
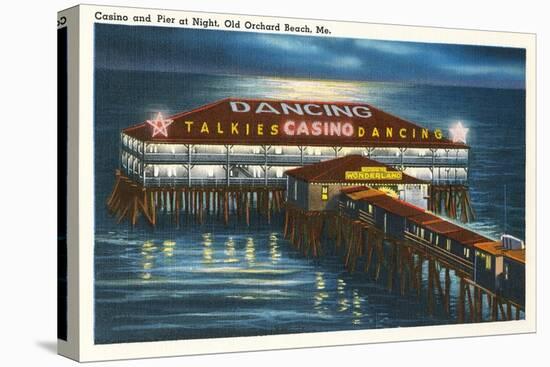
(129, 201)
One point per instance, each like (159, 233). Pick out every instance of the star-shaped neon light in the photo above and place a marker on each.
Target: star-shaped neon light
(160, 125)
(458, 133)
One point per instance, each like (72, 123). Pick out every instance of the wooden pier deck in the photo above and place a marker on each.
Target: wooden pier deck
(129, 201)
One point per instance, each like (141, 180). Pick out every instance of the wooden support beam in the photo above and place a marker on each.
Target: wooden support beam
(461, 302)
(447, 303)
(470, 303)
(431, 290)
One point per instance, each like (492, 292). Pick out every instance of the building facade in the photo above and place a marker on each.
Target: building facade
(318, 186)
(253, 142)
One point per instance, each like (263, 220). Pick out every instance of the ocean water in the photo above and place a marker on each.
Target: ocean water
(215, 281)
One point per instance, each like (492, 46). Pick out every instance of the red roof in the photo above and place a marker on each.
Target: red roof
(352, 189)
(495, 248)
(518, 255)
(334, 170)
(264, 121)
(424, 218)
(442, 227)
(466, 237)
(395, 206)
(492, 247)
(427, 220)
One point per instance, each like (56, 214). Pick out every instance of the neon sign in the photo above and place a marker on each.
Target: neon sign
(373, 173)
(160, 125)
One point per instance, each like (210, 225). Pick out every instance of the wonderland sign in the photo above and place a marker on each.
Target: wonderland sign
(373, 173)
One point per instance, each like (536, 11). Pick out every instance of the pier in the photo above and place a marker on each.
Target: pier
(365, 248)
(452, 201)
(399, 258)
(130, 201)
(251, 142)
(376, 200)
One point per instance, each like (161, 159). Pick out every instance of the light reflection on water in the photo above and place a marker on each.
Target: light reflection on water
(274, 252)
(230, 251)
(320, 296)
(250, 251)
(207, 250)
(259, 282)
(343, 301)
(148, 257)
(357, 314)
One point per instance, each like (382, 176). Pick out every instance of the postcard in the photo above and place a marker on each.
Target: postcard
(234, 183)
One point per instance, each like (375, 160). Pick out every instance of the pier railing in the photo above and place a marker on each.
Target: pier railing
(293, 159)
(452, 259)
(210, 182)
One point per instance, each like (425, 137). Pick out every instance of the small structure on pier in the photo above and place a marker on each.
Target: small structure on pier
(495, 268)
(501, 268)
(402, 220)
(317, 187)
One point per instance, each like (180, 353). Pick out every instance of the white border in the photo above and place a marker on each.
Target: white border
(88, 351)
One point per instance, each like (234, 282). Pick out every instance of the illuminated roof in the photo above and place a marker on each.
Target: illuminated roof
(290, 122)
(384, 201)
(518, 255)
(429, 221)
(492, 247)
(364, 193)
(495, 248)
(395, 206)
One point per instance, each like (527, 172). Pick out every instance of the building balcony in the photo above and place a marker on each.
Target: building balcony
(273, 159)
(424, 161)
(210, 182)
(449, 181)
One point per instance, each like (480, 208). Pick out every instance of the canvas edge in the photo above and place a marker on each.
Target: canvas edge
(81, 256)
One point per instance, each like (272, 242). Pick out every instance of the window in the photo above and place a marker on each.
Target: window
(487, 262)
(448, 245)
(421, 232)
(437, 239)
(506, 271)
(295, 190)
(370, 209)
(324, 193)
(466, 252)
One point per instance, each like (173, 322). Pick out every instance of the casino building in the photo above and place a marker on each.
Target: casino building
(253, 142)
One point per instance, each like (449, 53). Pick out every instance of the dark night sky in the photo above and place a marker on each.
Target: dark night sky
(225, 52)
